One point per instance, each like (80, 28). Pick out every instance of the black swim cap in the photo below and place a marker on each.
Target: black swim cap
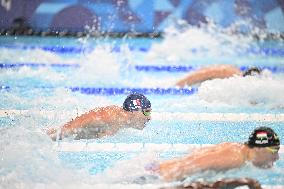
(263, 137)
(135, 102)
(252, 71)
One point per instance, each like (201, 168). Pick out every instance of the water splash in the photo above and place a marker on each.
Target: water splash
(192, 43)
(133, 171)
(29, 161)
(265, 91)
(34, 56)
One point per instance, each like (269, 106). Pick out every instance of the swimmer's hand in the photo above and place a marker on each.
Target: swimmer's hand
(52, 133)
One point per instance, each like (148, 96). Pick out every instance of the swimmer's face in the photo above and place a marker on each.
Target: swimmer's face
(140, 118)
(265, 157)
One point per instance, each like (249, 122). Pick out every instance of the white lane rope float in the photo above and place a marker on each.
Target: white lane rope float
(164, 116)
(80, 146)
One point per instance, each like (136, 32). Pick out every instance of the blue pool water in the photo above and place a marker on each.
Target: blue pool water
(40, 75)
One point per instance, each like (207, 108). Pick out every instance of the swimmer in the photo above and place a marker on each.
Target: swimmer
(214, 72)
(261, 150)
(106, 121)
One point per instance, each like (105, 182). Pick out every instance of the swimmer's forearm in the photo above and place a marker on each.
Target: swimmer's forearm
(180, 168)
(222, 71)
(191, 80)
(198, 76)
(175, 169)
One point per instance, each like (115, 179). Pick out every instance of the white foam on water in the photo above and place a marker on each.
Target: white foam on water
(58, 98)
(31, 56)
(265, 91)
(99, 65)
(42, 74)
(29, 161)
(195, 43)
(129, 171)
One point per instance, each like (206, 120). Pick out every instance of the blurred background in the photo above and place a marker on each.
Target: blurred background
(138, 16)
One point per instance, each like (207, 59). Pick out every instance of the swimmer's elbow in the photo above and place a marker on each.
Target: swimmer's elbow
(181, 84)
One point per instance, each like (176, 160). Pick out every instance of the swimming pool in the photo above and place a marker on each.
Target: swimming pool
(47, 81)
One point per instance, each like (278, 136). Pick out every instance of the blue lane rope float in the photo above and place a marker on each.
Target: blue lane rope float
(162, 68)
(266, 51)
(36, 65)
(4, 87)
(120, 91)
(140, 68)
(66, 50)
(56, 49)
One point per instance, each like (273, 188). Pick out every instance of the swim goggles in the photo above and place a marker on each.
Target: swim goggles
(146, 112)
(273, 150)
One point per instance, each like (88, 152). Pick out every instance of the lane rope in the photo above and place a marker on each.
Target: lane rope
(141, 68)
(165, 116)
(72, 49)
(129, 147)
(181, 68)
(116, 91)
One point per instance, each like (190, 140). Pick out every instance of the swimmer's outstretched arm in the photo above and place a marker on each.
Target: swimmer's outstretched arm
(95, 118)
(70, 127)
(207, 73)
(215, 158)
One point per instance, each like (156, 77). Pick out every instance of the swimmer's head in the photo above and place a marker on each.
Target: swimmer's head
(263, 137)
(140, 108)
(252, 71)
(136, 102)
(264, 144)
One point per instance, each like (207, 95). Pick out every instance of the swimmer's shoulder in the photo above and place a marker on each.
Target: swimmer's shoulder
(232, 69)
(109, 108)
(231, 145)
(221, 70)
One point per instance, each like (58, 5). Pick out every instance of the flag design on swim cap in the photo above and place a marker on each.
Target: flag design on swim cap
(263, 137)
(135, 102)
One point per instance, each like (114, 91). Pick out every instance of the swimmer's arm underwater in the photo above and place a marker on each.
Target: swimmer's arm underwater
(207, 73)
